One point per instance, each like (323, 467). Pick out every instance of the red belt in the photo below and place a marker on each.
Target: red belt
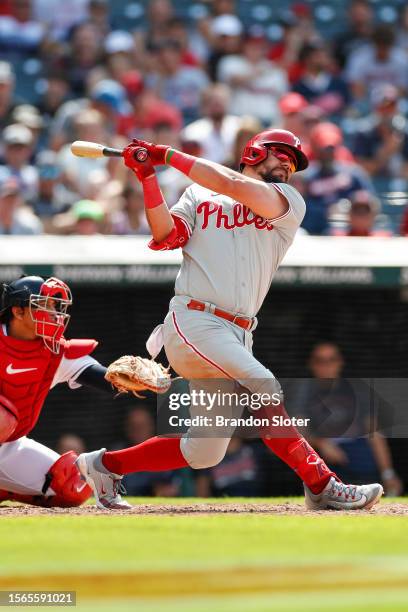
(244, 322)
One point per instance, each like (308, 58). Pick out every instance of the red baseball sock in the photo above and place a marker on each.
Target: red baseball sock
(153, 455)
(296, 452)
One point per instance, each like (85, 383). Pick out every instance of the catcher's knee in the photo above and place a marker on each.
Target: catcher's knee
(65, 480)
(8, 418)
(201, 453)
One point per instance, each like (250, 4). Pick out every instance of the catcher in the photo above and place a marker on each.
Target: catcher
(34, 357)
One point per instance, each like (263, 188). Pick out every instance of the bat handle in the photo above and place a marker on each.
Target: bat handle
(110, 152)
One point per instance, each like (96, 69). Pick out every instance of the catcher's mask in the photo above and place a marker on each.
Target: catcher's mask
(256, 149)
(48, 302)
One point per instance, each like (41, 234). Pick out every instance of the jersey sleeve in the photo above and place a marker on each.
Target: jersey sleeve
(69, 370)
(288, 223)
(185, 209)
(184, 215)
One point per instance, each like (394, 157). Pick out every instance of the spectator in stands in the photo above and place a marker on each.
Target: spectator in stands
(85, 51)
(119, 47)
(296, 32)
(60, 17)
(18, 148)
(378, 63)
(159, 15)
(256, 83)
(381, 141)
(20, 34)
(341, 422)
(130, 216)
(28, 115)
(15, 218)
(236, 476)
(293, 108)
(7, 81)
(99, 13)
(216, 130)
(322, 132)
(70, 442)
(358, 32)
(177, 84)
(139, 427)
(327, 180)
(146, 109)
(88, 218)
(248, 127)
(226, 39)
(54, 95)
(319, 83)
(177, 30)
(109, 98)
(53, 197)
(88, 125)
(362, 216)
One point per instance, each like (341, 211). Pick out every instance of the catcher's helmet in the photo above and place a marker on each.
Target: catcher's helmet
(19, 291)
(48, 301)
(256, 149)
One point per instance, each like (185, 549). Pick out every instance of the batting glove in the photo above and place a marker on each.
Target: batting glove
(157, 152)
(142, 169)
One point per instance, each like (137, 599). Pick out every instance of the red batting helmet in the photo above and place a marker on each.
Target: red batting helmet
(256, 149)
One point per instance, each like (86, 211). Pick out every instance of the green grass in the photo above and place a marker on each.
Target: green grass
(221, 562)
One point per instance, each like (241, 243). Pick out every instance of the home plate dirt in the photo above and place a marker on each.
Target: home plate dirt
(11, 511)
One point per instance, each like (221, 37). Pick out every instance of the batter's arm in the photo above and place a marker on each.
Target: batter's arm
(160, 221)
(256, 195)
(157, 213)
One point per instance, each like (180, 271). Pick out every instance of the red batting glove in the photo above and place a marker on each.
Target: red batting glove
(142, 169)
(157, 152)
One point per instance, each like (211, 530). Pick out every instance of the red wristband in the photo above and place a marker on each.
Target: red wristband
(180, 161)
(153, 196)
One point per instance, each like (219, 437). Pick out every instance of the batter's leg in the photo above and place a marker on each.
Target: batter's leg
(198, 344)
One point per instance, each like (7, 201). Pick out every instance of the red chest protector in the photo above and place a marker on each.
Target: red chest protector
(27, 369)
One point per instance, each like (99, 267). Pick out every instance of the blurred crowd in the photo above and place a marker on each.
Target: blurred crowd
(204, 81)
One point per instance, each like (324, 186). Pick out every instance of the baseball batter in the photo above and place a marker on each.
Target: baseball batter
(234, 229)
(34, 357)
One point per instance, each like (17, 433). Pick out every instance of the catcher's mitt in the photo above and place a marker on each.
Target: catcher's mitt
(130, 373)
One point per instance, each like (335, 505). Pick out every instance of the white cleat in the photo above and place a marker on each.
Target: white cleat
(339, 496)
(106, 485)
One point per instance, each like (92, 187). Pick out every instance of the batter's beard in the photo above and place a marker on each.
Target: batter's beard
(270, 177)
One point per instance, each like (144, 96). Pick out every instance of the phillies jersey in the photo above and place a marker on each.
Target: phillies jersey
(232, 253)
(28, 370)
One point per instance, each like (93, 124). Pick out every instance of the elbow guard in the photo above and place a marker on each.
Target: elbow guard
(177, 238)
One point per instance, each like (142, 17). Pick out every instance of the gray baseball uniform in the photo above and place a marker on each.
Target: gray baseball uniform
(229, 261)
(233, 254)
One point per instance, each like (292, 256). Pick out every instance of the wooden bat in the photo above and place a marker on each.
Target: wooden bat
(82, 148)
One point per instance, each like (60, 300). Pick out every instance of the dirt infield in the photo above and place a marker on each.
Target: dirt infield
(12, 511)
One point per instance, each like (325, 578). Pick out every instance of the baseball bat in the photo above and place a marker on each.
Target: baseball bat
(82, 148)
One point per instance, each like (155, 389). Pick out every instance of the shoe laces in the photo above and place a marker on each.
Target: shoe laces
(118, 488)
(339, 489)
